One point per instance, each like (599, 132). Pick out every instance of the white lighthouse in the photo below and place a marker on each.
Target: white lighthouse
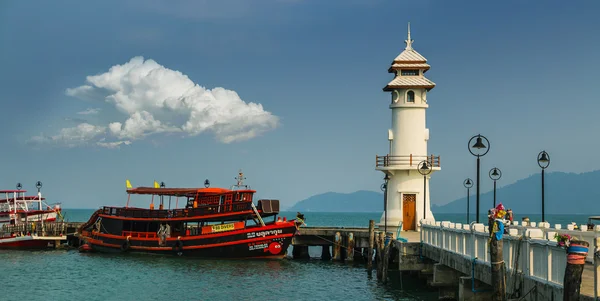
(408, 137)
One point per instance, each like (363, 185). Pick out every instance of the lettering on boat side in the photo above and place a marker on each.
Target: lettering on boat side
(223, 227)
(258, 245)
(264, 233)
(273, 247)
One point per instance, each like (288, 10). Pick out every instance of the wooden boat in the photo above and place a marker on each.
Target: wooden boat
(27, 222)
(215, 222)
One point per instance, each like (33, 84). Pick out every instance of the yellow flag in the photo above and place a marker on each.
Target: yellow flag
(128, 184)
(156, 185)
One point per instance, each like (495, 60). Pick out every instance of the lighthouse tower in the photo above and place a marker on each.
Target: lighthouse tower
(405, 191)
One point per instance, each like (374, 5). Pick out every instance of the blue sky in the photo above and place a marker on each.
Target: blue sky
(521, 73)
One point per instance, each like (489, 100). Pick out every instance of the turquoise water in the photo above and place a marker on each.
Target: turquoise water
(70, 275)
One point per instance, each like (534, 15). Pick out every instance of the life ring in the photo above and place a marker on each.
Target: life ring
(178, 248)
(126, 245)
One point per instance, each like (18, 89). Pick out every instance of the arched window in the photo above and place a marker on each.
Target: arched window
(410, 96)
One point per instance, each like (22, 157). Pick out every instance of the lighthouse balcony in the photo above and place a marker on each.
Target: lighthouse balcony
(405, 161)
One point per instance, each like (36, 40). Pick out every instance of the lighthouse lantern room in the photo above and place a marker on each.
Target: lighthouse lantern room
(407, 195)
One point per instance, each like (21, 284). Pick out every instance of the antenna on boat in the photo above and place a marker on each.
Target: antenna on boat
(240, 180)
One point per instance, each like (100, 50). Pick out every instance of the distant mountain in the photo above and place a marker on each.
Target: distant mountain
(565, 193)
(359, 201)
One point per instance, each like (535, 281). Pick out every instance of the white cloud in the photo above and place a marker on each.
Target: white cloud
(155, 99)
(89, 111)
(113, 145)
(78, 135)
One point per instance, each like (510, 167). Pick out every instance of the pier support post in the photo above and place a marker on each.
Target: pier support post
(371, 245)
(350, 247)
(300, 252)
(325, 253)
(379, 255)
(497, 265)
(386, 257)
(576, 254)
(337, 246)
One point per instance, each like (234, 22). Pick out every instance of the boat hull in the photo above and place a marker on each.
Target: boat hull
(261, 242)
(31, 242)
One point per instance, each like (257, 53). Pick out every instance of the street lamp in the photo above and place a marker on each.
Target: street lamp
(468, 184)
(424, 169)
(495, 175)
(19, 186)
(206, 183)
(162, 199)
(478, 149)
(384, 189)
(543, 161)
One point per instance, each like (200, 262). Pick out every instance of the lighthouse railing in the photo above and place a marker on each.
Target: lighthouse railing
(406, 160)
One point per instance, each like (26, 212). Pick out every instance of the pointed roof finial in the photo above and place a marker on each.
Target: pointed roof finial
(408, 41)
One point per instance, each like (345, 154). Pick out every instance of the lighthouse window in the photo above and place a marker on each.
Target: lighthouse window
(410, 96)
(410, 72)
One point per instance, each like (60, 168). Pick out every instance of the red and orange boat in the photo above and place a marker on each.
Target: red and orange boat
(215, 222)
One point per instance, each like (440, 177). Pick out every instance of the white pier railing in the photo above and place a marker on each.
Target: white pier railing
(525, 249)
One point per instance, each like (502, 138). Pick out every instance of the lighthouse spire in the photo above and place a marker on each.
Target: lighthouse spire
(408, 41)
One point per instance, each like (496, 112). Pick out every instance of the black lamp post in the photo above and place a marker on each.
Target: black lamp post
(19, 186)
(478, 149)
(384, 189)
(543, 161)
(206, 183)
(424, 169)
(495, 175)
(468, 184)
(162, 185)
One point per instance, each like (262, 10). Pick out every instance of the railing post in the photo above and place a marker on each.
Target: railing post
(596, 267)
(410, 160)
(549, 266)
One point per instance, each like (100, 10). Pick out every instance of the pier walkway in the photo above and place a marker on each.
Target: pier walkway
(535, 264)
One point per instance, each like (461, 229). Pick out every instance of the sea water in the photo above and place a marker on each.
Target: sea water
(70, 275)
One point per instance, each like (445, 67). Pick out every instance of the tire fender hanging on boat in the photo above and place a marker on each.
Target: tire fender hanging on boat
(178, 248)
(126, 244)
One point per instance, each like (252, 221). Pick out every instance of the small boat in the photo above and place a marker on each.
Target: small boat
(214, 223)
(27, 222)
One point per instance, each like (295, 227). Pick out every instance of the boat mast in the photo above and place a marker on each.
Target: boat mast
(240, 183)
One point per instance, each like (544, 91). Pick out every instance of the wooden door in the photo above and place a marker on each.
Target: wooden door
(408, 211)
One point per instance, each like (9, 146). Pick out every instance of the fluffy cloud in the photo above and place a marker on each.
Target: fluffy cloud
(89, 111)
(155, 99)
(74, 136)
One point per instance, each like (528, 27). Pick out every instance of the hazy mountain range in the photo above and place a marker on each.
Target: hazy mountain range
(565, 193)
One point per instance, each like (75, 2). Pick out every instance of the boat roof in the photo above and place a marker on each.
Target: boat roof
(11, 191)
(181, 191)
